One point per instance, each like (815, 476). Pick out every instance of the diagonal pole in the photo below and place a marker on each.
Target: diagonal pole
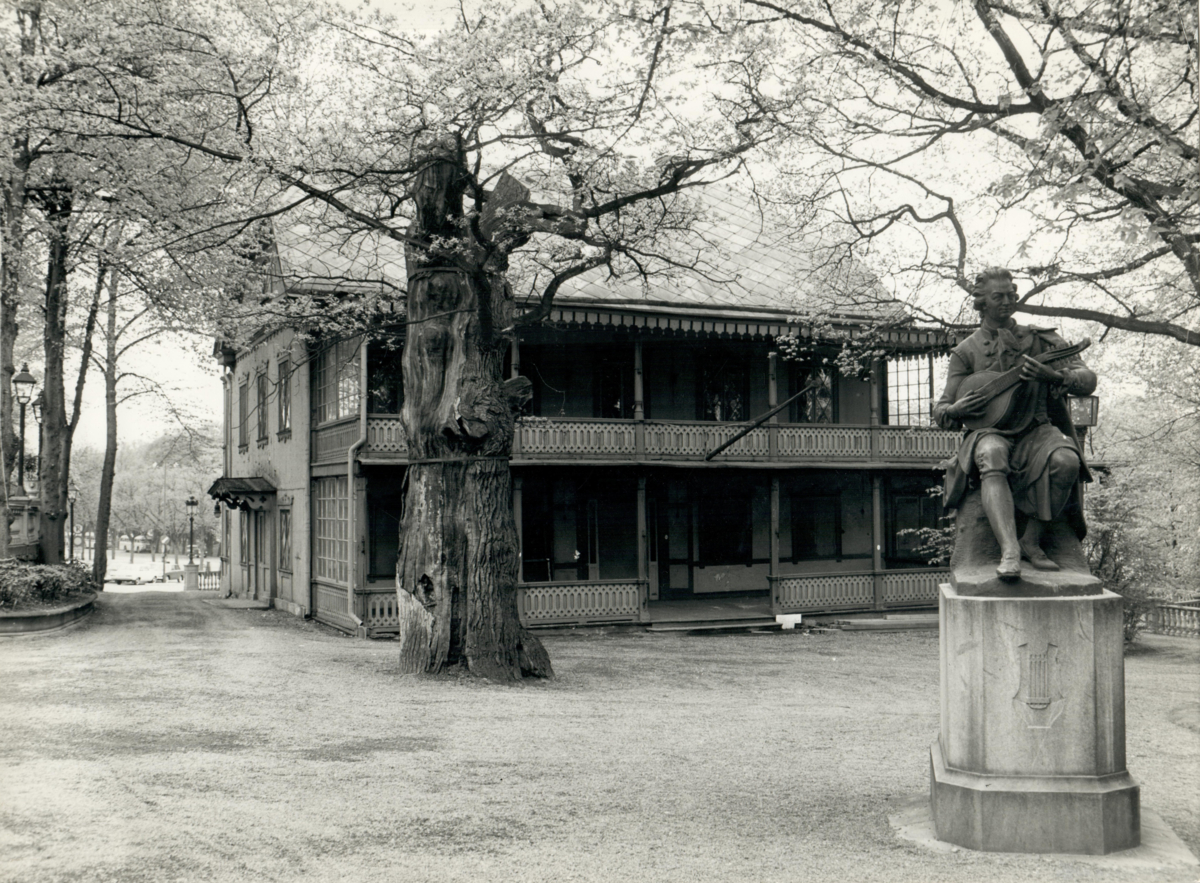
(759, 422)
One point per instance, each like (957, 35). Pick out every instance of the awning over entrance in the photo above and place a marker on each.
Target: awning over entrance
(242, 493)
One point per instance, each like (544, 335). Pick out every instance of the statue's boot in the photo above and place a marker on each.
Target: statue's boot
(1031, 546)
(997, 500)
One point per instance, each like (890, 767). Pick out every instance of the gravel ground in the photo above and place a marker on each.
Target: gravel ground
(169, 738)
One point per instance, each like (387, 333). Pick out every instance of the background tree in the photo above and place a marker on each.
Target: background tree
(508, 155)
(102, 212)
(1057, 138)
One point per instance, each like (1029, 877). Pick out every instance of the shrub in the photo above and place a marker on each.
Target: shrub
(25, 583)
(1118, 552)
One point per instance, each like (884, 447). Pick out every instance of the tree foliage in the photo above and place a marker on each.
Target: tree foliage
(1058, 137)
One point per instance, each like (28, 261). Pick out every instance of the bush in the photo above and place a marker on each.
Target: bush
(24, 583)
(1119, 553)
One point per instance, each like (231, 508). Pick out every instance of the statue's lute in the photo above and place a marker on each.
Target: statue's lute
(1000, 388)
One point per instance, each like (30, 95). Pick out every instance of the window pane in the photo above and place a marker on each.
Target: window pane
(818, 404)
(723, 384)
(816, 527)
(385, 377)
(261, 409)
(285, 395)
(331, 533)
(285, 539)
(726, 528)
(243, 408)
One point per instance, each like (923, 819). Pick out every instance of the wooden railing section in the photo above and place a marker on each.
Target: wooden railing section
(1182, 620)
(378, 609)
(540, 438)
(581, 602)
(331, 443)
(805, 592)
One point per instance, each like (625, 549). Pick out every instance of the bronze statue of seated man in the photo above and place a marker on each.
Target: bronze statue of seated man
(1020, 441)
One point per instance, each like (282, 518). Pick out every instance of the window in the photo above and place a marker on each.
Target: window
(284, 390)
(816, 527)
(723, 384)
(613, 384)
(331, 529)
(243, 409)
(818, 404)
(537, 530)
(244, 535)
(385, 377)
(226, 515)
(726, 528)
(335, 382)
(262, 396)
(385, 506)
(910, 384)
(261, 544)
(912, 506)
(285, 539)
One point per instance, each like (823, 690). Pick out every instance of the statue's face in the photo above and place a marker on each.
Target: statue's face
(999, 301)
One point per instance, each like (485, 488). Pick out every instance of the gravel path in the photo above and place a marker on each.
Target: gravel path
(170, 738)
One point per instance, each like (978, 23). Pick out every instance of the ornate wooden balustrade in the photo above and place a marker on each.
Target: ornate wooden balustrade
(378, 609)
(811, 592)
(540, 438)
(582, 602)
(593, 438)
(1176, 619)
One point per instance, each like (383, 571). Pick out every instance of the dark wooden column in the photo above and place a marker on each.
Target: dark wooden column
(877, 537)
(772, 401)
(774, 535)
(642, 550)
(639, 404)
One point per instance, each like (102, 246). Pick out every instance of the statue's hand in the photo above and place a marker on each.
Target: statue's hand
(1032, 369)
(968, 406)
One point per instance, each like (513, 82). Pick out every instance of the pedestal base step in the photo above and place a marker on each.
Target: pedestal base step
(1092, 815)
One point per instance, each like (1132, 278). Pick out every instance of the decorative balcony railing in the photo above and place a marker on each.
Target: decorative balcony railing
(540, 438)
(804, 592)
(582, 602)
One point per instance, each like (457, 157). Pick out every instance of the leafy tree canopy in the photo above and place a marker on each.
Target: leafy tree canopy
(1057, 137)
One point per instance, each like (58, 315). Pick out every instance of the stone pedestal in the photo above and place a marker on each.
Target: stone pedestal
(191, 577)
(1031, 754)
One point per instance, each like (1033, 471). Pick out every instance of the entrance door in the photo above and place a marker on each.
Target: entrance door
(264, 556)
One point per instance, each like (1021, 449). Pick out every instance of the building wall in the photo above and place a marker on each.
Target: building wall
(279, 456)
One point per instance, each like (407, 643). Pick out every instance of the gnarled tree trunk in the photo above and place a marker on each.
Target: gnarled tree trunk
(457, 571)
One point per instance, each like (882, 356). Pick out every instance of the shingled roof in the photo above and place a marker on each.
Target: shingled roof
(745, 256)
(739, 257)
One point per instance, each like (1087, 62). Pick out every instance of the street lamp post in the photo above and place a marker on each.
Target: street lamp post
(192, 503)
(37, 405)
(191, 576)
(72, 496)
(23, 383)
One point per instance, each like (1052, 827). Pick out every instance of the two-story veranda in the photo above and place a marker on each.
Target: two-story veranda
(620, 514)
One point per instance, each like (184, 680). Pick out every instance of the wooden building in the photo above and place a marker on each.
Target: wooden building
(620, 514)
